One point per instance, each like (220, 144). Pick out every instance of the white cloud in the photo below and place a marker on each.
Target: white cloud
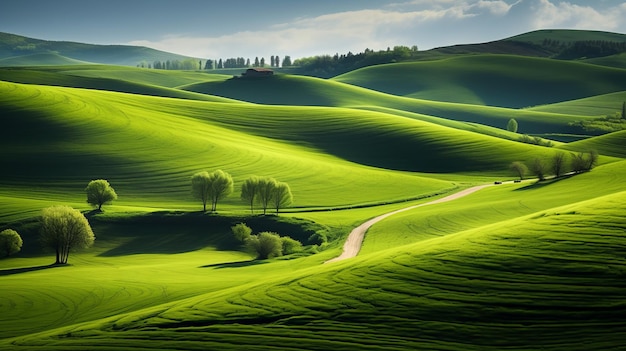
(498, 8)
(564, 14)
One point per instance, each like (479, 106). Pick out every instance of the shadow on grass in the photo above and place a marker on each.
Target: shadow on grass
(234, 264)
(541, 184)
(12, 271)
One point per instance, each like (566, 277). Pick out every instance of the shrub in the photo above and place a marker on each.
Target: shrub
(265, 245)
(317, 238)
(241, 232)
(290, 245)
(10, 242)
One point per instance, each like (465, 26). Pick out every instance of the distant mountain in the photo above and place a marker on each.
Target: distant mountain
(16, 50)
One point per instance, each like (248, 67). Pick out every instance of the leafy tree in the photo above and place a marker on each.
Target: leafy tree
(265, 192)
(265, 245)
(592, 160)
(249, 190)
(222, 185)
(512, 126)
(584, 161)
(64, 229)
(290, 245)
(100, 192)
(277, 61)
(538, 167)
(211, 187)
(256, 61)
(241, 232)
(519, 168)
(558, 164)
(282, 196)
(262, 61)
(200, 187)
(10, 242)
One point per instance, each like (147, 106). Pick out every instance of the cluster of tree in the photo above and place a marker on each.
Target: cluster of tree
(188, 64)
(265, 244)
(558, 165)
(607, 124)
(327, 66)
(590, 49)
(240, 62)
(265, 191)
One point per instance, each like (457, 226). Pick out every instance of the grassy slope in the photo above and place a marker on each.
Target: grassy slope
(48, 59)
(567, 36)
(610, 144)
(297, 90)
(551, 280)
(495, 80)
(600, 105)
(171, 139)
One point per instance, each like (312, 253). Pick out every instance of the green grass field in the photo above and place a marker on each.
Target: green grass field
(528, 266)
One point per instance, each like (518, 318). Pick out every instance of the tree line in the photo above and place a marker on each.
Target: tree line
(209, 64)
(559, 165)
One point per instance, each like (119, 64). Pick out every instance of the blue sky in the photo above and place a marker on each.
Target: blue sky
(243, 28)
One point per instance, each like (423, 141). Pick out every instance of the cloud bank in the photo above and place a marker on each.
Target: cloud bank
(425, 23)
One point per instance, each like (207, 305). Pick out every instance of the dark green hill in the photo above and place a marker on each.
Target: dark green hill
(12, 45)
(40, 59)
(495, 80)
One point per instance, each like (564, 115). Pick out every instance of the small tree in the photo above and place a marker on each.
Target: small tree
(265, 192)
(200, 187)
(266, 245)
(241, 232)
(282, 196)
(290, 245)
(538, 167)
(519, 168)
(222, 185)
(512, 126)
(64, 229)
(10, 242)
(249, 190)
(592, 160)
(578, 162)
(100, 192)
(558, 164)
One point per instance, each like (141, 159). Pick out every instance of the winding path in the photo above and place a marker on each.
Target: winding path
(352, 246)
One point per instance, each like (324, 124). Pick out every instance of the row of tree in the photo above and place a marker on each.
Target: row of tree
(558, 165)
(233, 62)
(265, 191)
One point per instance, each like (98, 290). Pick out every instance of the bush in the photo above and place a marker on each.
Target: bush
(317, 238)
(265, 245)
(290, 245)
(10, 242)
(241, 232)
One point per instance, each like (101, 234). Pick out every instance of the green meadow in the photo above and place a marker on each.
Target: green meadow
(534, 265)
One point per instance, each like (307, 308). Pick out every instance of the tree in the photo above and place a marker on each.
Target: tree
(512, 126)
(287, 61)
(100, 192)
(538, 167)
(256, 61)
(265, 245)
(282, 196)
(10, 242)
(262, 61)
(592, 160)
(222, 185)
(213, 186)
(241, 232)
(519, 168)
(265, 192)
(249, 190)
(200, 187)
(558, 164)
(584, 161)
(64, 229)
(277, 61)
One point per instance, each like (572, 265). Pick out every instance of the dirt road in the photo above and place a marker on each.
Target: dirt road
(352, 246)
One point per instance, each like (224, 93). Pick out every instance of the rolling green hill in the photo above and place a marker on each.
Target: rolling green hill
(551, 280)
(515, 266)
(495, 80)
(40, 59)
(12, 45)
